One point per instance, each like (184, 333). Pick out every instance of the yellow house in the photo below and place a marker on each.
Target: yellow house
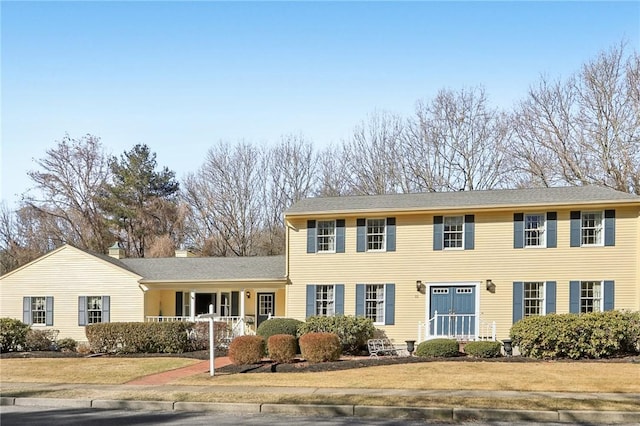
(463, 264)
(70, 288)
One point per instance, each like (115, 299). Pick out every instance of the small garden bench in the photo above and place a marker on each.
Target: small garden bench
(381, 347)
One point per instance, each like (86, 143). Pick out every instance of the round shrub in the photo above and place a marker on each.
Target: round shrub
(282, 348)
(275, 326)
(245, 350)
(353, 332)
(67, 344)
(41, 340)
(320, 347)
(436, 348)
(483, 349)
(13, 334)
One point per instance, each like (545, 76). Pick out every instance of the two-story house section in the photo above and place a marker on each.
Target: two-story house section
(463, 264)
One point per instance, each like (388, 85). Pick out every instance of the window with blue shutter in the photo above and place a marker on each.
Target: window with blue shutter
(609, 295)
(49, 312)
(360, 296)
(518, 230)
(82, 310)
(574, 297)
(311, 236)
(106, 308)
(437, 232)
(311, 300)
(389, 304)
(518, 299)
(574, 228)
(26, 310)
(339, 299)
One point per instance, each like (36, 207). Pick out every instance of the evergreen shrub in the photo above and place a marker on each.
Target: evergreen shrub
(352, 331)
(41, 340)
(13, 334)
(139, 337)
(483, 349)
(437, 348)
(245, 350)
(320, 347)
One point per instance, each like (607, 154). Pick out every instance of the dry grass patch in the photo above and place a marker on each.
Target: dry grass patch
(529, 376)
(85, 370)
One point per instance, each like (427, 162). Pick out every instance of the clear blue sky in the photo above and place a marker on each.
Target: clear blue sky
(180, 76)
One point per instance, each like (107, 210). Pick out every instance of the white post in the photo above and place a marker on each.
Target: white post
(192, 305)
(243, 295)
(211, 343)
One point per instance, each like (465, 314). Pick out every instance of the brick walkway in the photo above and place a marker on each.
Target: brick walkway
(171, 375)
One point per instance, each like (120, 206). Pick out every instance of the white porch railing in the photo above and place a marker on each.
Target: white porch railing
(456, 326)
(239, 326)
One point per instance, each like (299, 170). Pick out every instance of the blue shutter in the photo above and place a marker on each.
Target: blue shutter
(311, 300)
(518, 299)
(609, 227)
(469, 231)
(82, 310)
(574, 297)
(179, 303)
(391, 234)
(389, 304)
(26, 310)
(339, 299)
(518, 230)
(340, 236)
(552, 229)
(437, 232)
(575, 229)
(360, 289)
(550, 297)
(361, 235)
(235, 303)
(609, 295)
(311, 236)
(49, 311)
(106, 309)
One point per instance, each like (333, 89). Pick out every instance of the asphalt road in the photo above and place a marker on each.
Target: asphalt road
(35, 416)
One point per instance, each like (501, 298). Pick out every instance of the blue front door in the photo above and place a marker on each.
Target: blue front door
(455, 306)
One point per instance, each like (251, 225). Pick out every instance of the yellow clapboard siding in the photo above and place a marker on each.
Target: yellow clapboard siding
(493, 258)
(84, 275)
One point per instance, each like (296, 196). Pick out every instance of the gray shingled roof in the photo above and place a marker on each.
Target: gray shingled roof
(207, 268)
(462, 199)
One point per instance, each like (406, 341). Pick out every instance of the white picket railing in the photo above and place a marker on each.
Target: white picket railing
(456, 326)
(239, 326)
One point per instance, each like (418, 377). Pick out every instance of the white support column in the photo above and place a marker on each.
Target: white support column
(243, 295)
(192, 305)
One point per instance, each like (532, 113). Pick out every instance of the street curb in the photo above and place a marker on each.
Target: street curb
(362, 411)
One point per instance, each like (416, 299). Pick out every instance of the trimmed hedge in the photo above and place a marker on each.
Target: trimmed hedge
(13, 334)
(437, 348)
(139, 337)
(275, 326)
(594, 335)
(482, 349)
(282, 348)
(245, 350)
(352, 331)
(320, 347)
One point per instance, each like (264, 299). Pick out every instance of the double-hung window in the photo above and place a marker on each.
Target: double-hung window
(590, 296)
(534, 230)
(325, 300)
(326, 236)
(376, 234)
(374, 303)
(453, 232)
(37, 310)
(93, 309)
(533, 298)
(591, 228)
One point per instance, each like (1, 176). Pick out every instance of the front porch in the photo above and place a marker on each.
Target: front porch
(461, 327)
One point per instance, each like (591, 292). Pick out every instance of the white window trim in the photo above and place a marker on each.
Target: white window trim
(89, 310)
(602, 230)
(543, 308)
(39, 324)
(384, 235)
(318, 236)
(332, 300)
(444, 218)
(543, 242)
(601, 299)
(384, 302)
